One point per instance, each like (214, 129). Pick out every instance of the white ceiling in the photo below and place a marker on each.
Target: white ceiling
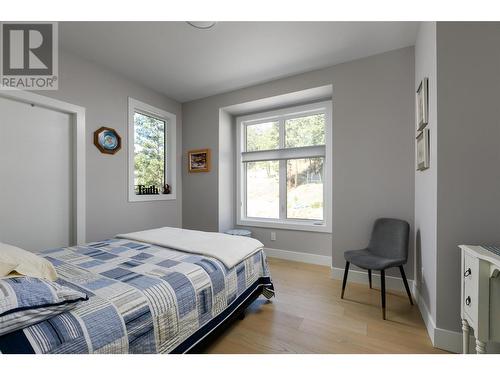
(185, 63)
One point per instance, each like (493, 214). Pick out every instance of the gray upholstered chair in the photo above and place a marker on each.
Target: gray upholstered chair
(388, 248)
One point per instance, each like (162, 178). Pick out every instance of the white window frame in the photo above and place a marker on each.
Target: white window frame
(170, 156)
(325, 151)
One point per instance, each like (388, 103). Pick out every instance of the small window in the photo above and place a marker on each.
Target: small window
(151, 153)
(283, 178)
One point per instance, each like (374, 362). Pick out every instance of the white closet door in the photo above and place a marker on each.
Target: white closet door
(36, 164)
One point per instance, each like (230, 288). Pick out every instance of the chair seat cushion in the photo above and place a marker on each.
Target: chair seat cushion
(365, 259)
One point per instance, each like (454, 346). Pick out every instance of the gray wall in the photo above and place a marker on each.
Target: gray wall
(104, 95)
(468, 61)
(373, 151)
(373, 148)
(457, 200)
(426, 181)
(227, 174)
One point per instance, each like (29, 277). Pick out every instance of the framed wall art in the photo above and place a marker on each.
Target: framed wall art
(422, 104)
(423, 154)
(199, 160)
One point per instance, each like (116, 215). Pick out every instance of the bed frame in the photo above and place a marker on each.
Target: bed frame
(202, 338)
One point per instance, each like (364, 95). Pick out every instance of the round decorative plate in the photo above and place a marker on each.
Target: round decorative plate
(108, 140)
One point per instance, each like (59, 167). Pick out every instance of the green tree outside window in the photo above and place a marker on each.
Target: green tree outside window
(149, 151)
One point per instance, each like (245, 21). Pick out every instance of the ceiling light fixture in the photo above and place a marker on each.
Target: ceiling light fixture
(202, 25)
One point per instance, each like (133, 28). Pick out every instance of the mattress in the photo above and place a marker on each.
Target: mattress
(143, 298)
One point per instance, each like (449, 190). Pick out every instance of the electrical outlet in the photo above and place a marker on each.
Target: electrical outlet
(273, 236)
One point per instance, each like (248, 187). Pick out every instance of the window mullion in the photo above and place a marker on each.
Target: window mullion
(243, 203)
(282, 133)
(282, 174)
(282, 189)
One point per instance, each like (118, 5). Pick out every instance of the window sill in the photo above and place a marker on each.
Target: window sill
(151, 198)
(289, 225)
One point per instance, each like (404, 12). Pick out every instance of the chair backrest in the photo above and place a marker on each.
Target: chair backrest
(390, 238)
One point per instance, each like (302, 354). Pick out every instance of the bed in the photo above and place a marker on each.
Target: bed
(142, 298)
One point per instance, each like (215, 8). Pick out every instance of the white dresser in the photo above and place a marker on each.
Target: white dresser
(480, 308)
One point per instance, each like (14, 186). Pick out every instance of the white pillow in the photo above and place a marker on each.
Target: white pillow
(6, 268)
(15, 261)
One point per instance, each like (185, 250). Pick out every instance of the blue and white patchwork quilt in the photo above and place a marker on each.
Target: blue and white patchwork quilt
(142, 299)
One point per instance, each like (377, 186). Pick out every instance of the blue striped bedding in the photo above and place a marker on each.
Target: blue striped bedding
(142, 299)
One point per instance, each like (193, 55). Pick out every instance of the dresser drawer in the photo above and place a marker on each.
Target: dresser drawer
(470, 279)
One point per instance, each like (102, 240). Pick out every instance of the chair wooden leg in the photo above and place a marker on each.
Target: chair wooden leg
(382, 283)
(406, 284)
(370, 278)
(346, 271)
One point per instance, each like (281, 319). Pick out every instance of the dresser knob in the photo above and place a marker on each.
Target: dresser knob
(467, 273)
(467, 301)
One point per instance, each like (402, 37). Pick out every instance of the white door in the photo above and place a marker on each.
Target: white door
(36, 164)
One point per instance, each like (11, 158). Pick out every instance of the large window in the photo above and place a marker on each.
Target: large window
(283, 174)
(151, 153)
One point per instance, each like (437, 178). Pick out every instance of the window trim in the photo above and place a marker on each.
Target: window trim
(170, 119)
(282, 115)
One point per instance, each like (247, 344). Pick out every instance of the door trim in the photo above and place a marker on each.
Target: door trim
(78, 119)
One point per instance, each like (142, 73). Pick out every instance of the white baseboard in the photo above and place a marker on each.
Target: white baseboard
(441, 338)
(424, 311)
(361, 277)
(295, 256)
(451, 340)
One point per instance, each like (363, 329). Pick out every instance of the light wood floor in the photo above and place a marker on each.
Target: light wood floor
(308, 316)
